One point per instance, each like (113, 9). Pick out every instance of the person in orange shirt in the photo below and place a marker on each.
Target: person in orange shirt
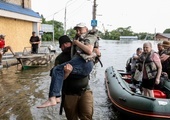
(4, 48)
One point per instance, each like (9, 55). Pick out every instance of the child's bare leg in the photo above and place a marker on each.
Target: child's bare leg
(9, 48)
(52, 101)
(150, 93)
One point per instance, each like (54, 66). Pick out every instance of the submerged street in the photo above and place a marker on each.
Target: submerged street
(22, 91)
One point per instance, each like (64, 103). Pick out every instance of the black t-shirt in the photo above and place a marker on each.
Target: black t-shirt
(34, 39)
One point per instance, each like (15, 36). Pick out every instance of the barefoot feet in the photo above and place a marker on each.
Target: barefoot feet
(50, 102)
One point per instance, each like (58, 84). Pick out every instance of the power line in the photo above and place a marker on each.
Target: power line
(55, 12)
(59, 10)
(78, 8)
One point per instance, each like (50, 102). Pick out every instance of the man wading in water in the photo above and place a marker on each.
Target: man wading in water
(81, 29)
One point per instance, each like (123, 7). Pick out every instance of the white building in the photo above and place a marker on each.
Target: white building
(128, 37)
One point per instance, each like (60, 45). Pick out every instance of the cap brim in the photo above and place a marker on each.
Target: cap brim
(75, 27)
(79, 27)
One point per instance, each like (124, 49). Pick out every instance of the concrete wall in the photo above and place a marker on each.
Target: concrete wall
(18, 32)
(25, 3)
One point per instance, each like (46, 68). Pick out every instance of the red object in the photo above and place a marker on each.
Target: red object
(2, 43)
(159, 94)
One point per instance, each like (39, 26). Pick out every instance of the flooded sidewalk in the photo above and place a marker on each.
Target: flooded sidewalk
(20, 92)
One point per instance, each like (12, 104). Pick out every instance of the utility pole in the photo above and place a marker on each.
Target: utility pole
(53, 28)
(65, 17)
(65, 20)
(94, 13)
(53, 25)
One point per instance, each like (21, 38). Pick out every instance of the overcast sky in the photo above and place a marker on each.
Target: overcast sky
(142, 15)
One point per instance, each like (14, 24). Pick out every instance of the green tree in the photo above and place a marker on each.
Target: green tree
(114, 35)
(109, 35)
(142, 35)
(71, 33)
(43, 19)
(58, 30)
(167, 30)
(125, 31)
(106, 35)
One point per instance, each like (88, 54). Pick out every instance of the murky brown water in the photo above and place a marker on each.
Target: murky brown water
(22, 91)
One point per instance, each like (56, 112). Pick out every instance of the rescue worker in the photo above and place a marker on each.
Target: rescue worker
(80, 92)
(78, 97)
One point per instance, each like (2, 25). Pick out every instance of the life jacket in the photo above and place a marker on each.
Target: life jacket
(128, 64)
(131, 65)
(89, 36)
(149, 65)
(162, 52)
(73, 85)
(2, 43)
(83, 38)
(167, 51)
(166, 63)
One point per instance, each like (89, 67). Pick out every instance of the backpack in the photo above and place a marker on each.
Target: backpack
(128, 65)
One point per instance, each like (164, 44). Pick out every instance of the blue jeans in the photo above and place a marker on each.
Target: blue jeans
(81, 68)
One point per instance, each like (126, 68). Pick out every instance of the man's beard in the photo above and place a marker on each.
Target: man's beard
(67, 50)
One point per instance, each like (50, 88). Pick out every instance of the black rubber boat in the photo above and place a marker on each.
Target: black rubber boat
(130, 100)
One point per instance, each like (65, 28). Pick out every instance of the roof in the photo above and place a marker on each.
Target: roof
(17, 9)
(167, 35)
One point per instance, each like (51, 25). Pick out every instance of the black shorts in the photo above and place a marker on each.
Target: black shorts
(4, 49)
(148, 83)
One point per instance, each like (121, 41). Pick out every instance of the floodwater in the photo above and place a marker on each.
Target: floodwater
(22, 91)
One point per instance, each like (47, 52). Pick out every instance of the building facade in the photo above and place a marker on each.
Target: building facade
(23, 3)
(17, 21)
(162, 36)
